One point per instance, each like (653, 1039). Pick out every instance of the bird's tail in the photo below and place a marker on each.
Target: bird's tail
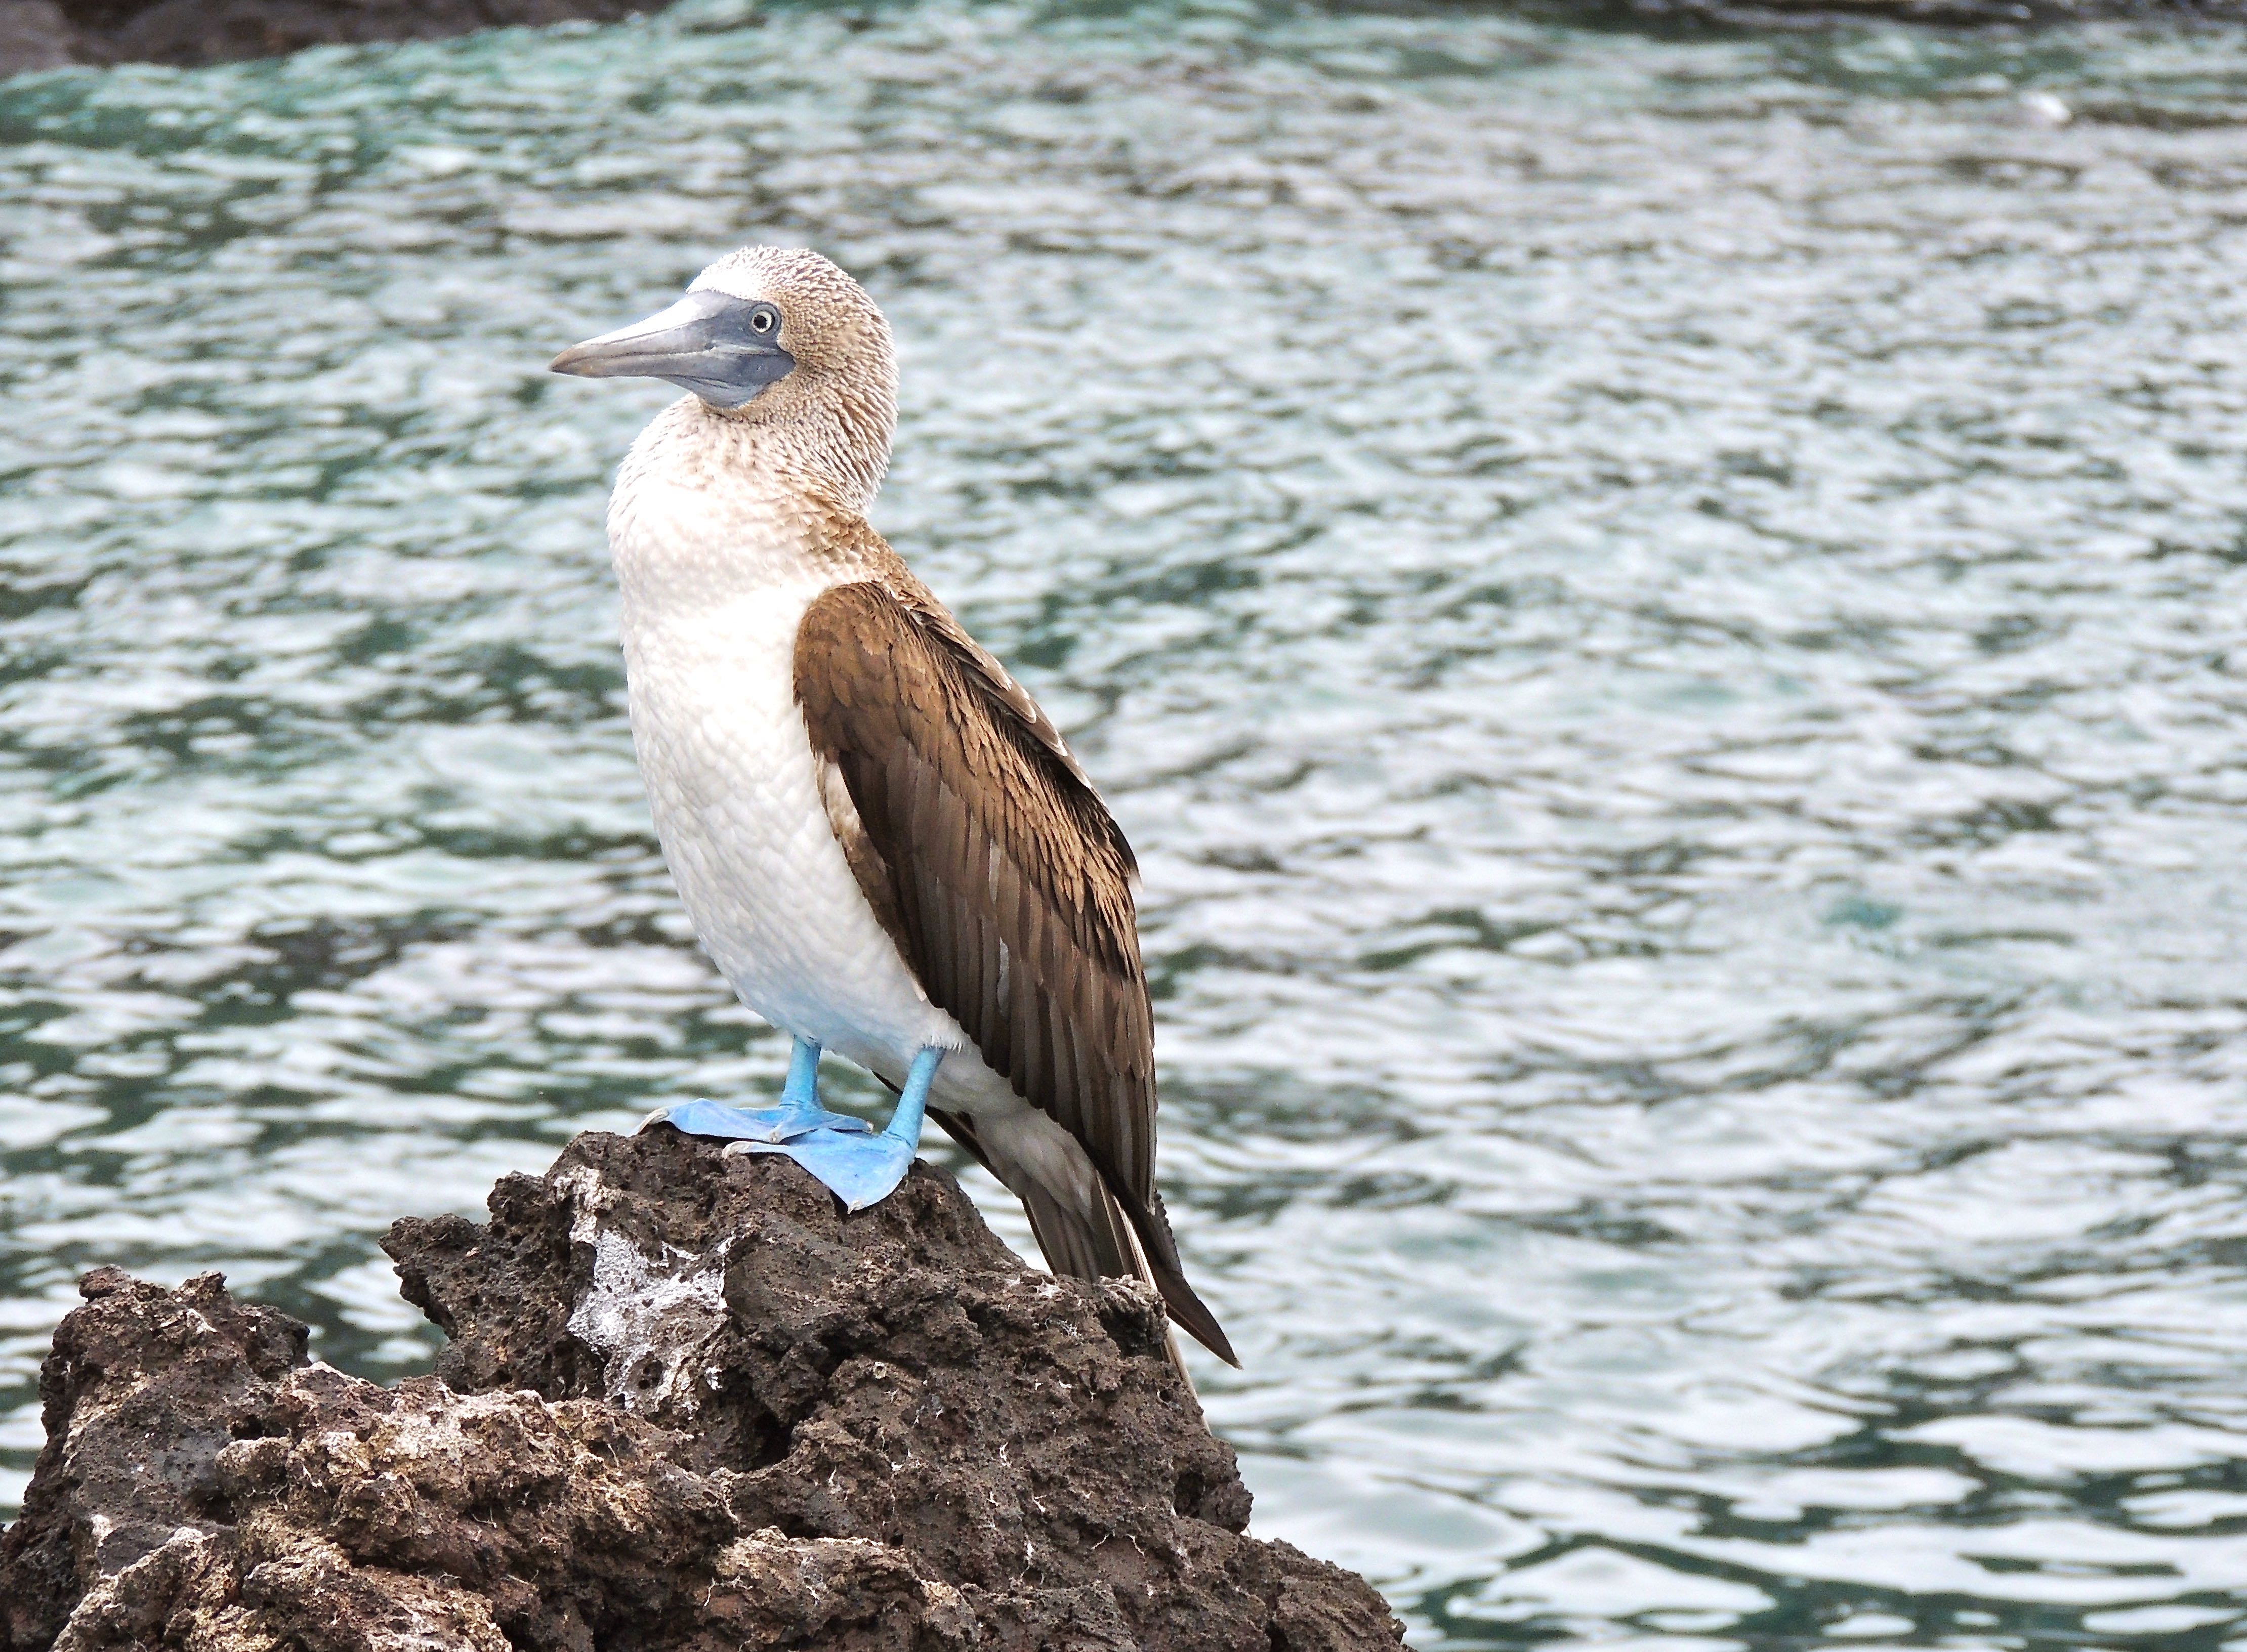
(1105, 1243)
(1087, 1233)
(1158, 1255)
(1095, 1245)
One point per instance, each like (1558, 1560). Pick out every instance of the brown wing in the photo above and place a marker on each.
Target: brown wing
(1003, 876)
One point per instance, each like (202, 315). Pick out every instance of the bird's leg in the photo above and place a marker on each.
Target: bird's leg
(860, 1168)
(799, 1098)
(798, 1114)
(906, 1124)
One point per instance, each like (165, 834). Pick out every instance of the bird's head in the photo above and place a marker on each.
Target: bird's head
(776, 336)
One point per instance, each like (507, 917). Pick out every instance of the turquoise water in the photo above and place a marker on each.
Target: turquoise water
(1668, 618)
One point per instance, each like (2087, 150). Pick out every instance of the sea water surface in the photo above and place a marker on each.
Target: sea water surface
(1669, 618)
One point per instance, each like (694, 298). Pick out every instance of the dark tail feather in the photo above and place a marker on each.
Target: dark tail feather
(1085, 1244)
(1114, 1241)
(1159, 1252)
(1192, 1314)
(1095, 1245)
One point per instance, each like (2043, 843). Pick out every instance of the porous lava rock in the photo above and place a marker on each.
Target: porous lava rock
(687, 1403)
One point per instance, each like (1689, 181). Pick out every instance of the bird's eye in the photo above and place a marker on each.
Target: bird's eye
(764, 319)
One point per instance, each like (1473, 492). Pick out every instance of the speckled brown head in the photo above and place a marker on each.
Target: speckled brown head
(771, 336)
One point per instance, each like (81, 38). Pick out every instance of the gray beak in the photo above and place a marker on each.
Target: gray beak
(708, 343)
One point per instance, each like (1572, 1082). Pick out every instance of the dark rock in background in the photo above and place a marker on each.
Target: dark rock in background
(34, 35)
(47, 34)
(688, 1404)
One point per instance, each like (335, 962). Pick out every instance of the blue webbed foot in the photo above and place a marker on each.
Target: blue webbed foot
(799, 1113)
(860, 1169)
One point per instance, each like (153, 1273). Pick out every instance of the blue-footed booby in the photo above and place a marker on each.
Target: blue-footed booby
(883, 842)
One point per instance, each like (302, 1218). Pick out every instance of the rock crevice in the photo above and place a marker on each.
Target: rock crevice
(687, 1403)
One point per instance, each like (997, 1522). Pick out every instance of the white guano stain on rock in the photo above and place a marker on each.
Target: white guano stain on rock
(652, 1321)
(591, 1198)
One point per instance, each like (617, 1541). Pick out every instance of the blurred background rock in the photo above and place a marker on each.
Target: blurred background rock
(45, 34)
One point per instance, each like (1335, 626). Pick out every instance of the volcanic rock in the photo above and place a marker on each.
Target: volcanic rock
(688, 1404)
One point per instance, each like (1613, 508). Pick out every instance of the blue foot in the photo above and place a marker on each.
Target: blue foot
(862, 1170)
(798, 1114)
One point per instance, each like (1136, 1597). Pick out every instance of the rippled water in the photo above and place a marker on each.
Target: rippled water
(1669, 618)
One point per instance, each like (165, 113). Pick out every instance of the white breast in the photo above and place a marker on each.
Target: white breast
(715, 589)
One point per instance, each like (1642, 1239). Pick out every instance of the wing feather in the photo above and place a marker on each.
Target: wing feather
(1008, 882)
